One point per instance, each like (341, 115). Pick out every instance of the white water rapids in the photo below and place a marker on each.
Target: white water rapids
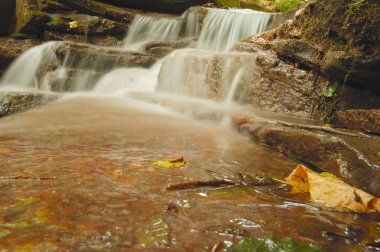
(185, 72)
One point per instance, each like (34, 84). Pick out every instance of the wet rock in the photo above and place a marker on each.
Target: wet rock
(284, 88)
(85, 56)
(101, 9)
(349, 156)
(30, 19)
(167, 6)
(6, 16)
(359, 119)
(14, 102)
(297, 51)
(98, 40)
(163, 48)
(33, 19)
(11, 48)
(339, 38)
(53, 6)
(88, 26)
(266, 82)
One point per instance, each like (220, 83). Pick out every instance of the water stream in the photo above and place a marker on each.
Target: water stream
(80, 173)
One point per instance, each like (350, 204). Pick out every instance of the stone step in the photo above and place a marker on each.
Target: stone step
(15, 102)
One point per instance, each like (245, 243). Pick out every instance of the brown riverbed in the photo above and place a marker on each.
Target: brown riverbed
(79, 175)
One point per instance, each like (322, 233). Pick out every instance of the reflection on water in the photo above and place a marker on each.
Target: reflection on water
(78, 174)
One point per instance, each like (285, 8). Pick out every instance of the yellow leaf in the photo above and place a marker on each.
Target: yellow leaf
(332, 192)
(328, 175)
(171, 162)
(73, 24)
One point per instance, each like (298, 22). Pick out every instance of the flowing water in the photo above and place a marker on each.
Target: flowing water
(223, 28)
(79, 174)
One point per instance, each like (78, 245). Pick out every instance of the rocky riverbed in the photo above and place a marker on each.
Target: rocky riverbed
(236, 98)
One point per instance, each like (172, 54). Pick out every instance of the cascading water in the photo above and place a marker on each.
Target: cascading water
(223, 28)
(27, 71)
(145, 29)
(189, 72)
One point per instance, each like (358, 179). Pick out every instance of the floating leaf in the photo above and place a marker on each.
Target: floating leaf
(171, 162)
(269, 244)
(331, 191)
(73, 24)
(331, 90)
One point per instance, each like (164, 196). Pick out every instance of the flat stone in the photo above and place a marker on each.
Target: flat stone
(99, 58)
(359, 119)
(15, 102)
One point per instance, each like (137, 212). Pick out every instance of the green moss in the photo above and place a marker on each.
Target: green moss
(288, 5)
(229, 3)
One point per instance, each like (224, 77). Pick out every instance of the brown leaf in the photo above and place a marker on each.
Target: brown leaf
(332, 192)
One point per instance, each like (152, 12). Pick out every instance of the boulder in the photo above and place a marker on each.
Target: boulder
(350, 156)
(336, 40)
(6, 16)
(107, 11)
(11, 48)
(359, 119)
(14, 102)
(35, 18)
(29, 17)
(87, 26)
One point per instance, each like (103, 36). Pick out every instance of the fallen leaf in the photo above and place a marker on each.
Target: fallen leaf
(331, 191)
(171, 162)
(73, 24)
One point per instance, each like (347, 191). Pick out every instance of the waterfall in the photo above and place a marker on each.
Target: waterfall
(146, 29)
(123, 80)
(209, 75)
(223, 28)
(27, 71)
(192, 24)
(205, 74)
(237, 80)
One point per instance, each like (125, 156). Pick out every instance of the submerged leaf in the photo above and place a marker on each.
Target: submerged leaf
(330, 91)
(331, 191)
(171, 162)
(156, 234)
(269, 244)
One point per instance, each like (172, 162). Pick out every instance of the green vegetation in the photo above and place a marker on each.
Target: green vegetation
(265, 5)
(269, 244)
(229, 3)
(288, 5)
